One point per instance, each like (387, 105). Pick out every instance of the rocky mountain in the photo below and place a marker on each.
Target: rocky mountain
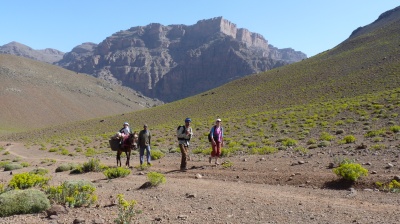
(47, 55)
(176, 61)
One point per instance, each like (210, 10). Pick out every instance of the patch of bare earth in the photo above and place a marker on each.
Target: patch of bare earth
(278, 188)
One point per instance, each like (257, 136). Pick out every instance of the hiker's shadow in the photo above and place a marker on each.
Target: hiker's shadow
(191, 168)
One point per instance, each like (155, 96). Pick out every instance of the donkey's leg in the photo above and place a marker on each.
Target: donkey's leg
(128, 158)
(119, 158)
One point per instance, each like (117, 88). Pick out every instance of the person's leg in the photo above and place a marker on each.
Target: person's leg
(184, 156)
(217, 152)
(213, 152)
(148, 157)
(141, 153)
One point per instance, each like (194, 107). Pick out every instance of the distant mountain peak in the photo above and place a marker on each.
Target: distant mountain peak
(163, 61)
(47, 55)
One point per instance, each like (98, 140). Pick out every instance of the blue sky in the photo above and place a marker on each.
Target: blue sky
(310, 26)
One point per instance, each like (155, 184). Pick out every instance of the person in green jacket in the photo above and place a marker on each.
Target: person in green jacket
(144, 141)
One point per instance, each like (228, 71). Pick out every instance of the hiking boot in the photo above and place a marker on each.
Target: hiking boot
(209, 160)
(183, 169)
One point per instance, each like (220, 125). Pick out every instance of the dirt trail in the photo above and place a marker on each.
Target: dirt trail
(215, 197)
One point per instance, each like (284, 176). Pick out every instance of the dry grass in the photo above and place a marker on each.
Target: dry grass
(36, 95)
(353, 87)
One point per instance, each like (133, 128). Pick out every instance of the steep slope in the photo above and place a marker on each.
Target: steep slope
(366, 64)
(35, 95)
(47, 55)
(176, 61)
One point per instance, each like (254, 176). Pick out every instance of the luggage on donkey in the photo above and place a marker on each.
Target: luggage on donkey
(115, 142)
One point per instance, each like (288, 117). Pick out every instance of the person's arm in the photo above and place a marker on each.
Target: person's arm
(149, 138)
(212, 135)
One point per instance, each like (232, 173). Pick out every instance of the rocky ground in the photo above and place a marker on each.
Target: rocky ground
(280, 188)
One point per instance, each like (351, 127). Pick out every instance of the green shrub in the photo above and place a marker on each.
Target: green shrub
(4, 163)
(112, 173)
(126, 210)
(393, 186)
(93, 165)
(156, 154)
(325, 136)
(142, 167)
(323, 144)
(301, 150)
(24, 164)
(66, 167)
(350, 171)
(349, 139)
(227, 164)
(12, 166)
(2, 188)
(371, 134)
(28, 201)
(73, 193)
(395, 128)
(40, 171)
(313, 146)
(156, 179)
(342, 160)
(289, 142)
(378, 147)
(264, 150)
(27, 180)
(90, 152)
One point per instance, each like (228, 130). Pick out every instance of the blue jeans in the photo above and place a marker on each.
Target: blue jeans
(148, 153)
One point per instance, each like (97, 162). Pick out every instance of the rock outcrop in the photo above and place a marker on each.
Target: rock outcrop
(176, 61)
(47, 55)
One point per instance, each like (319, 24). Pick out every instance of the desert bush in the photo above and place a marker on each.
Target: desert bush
(73, 193)
(12, 166)
(339, 160)
(156, 179)
(39, 171)
(2, 188)
(227, 164)
(28, 201)
(324, 144)
(93, 165)
(313, 146)
(378, 147)
(112, 173)
(66, 167)
(349, 139)
(4, 163)
(339, 131)
(27, 180)
(126, 210)
(325, 136)
(350, 171)
(264, 150)
(393, 186)
(375, 133)
(289, 142)
(156, 154)
(53, 150)
(311, 141)
(90, 152)
(142, 167)
(395, 128)
(301, 150)
(24, 164)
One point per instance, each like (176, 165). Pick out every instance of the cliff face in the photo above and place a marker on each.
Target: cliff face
(176, 61)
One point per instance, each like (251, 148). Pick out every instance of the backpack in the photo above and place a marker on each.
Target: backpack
(209, 134)
(183, 131)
